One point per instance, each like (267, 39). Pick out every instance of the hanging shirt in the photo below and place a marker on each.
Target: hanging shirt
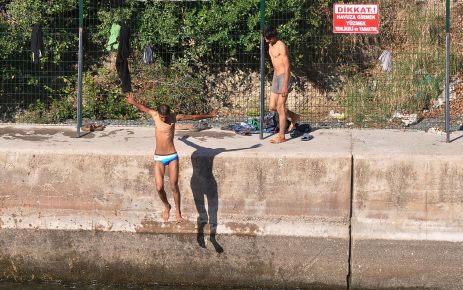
(122, 62)
(386, 60)
(36, 43)
(113, 36)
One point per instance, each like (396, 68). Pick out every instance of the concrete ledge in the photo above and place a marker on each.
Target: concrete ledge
(77, 209)
(407, 221)
(116, 193)
(409, 198)
(282, 216)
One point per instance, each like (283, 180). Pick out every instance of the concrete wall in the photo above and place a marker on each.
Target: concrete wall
(90, 217)
(89, 211)
(407, 221)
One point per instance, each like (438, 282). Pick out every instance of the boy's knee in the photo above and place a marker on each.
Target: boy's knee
(160, 188)
(273, 108)
(174, 185)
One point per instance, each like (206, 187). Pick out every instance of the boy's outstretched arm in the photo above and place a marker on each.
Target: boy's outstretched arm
(131, 100)
(181, 117)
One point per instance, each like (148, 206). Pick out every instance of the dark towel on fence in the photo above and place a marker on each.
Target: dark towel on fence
(122, 63)
(36, 43)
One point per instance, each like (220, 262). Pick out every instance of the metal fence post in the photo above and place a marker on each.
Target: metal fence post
(80, 67)
(262, 68)
(447, 69)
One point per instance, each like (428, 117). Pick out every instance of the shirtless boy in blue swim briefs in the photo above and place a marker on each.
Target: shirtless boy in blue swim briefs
(165, 153)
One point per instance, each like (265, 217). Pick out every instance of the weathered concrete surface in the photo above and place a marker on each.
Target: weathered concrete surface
(407, 224)
(82, 209)
(282, 210)
(404, 264)
(123, 258)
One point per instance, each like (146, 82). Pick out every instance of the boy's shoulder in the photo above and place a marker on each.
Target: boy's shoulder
(154, 114)
(280, 44)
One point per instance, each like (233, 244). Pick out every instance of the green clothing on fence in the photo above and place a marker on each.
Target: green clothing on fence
(113, 42)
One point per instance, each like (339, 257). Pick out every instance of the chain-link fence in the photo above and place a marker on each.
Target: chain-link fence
(201, 55)
(192, 55)
(344, 83)
(38, 87)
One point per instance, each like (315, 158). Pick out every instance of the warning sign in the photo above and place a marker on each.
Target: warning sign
(356, 18)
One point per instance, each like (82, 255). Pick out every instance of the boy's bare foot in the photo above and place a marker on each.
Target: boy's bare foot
(277, 140)
(179, 217)
(166, 213)
(294, 121)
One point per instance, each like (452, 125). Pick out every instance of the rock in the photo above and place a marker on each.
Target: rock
(435, 130)
(338, 116)
(406, 118)
(409, 119)
(452, 94)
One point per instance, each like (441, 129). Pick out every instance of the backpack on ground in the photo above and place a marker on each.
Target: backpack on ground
(300, 130)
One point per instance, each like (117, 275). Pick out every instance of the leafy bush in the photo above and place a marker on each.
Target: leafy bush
(102, 98)
(190, 39)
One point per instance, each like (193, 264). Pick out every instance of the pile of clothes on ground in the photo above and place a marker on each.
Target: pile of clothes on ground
(244, 128)
(270, 125)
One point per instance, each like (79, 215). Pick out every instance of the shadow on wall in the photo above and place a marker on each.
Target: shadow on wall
(204, 186)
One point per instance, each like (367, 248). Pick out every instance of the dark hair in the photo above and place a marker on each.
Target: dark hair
(163, 110)
(269, 32)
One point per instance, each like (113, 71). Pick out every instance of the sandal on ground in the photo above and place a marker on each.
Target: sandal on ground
(306, 137)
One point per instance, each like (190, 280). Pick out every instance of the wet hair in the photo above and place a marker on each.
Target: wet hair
(269, 32)
(163, 110)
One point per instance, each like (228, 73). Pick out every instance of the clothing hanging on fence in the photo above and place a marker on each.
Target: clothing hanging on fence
(113, 44)
(148, 54)
(4, 12)
(36, 43)
(386, 60)
(2, 7)
(122, 62)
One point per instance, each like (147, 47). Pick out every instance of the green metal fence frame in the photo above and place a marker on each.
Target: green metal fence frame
(80, 67)
(262, 68)
(447, 70)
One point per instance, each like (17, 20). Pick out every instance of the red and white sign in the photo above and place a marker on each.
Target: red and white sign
(356, 18)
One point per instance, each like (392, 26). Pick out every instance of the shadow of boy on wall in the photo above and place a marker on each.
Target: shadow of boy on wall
(204, 186)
